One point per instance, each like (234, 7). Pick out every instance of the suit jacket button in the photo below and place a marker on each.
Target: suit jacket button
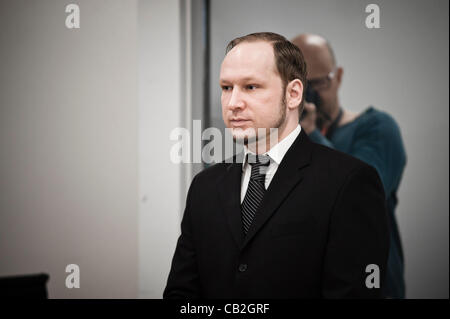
(242, 267)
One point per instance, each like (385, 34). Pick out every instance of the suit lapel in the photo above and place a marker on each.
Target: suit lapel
(288, 175)
(230, 194)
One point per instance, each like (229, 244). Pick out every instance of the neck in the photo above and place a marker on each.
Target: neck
(333, 114)
(272, 138)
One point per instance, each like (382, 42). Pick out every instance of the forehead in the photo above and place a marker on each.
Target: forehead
(249, 60)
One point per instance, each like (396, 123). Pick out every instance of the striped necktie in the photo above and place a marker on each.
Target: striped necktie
(255, 190)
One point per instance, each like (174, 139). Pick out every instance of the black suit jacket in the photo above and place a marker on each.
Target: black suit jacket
(322, 221)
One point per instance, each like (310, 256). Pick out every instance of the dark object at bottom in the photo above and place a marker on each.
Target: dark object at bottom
(28, 286)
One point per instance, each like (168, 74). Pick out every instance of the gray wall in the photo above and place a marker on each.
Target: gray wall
(162, 188)
(68, 143)
(401, 68)
(84, 143)
(85, 119)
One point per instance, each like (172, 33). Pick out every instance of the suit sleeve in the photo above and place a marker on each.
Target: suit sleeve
(183, 281)
(358, 236)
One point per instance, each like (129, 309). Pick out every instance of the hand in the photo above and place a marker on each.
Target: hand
(308, 123)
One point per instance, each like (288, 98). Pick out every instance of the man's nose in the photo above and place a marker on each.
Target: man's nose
(236, 100)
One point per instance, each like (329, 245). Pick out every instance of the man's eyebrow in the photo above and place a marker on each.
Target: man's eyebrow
(250, 79)
(245, 79)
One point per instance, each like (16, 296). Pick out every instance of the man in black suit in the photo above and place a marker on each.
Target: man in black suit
(290, 220)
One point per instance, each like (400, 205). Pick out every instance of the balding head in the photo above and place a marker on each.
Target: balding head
(317, 52)
(321, 64)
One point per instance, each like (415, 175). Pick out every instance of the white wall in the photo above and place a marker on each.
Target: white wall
(69, 145)
(162, 189)
(85, 118)
(401, 68)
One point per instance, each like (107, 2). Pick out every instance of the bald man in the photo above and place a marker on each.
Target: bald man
(371, 135)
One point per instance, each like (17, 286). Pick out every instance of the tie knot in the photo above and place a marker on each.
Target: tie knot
(258, 160)
(260, 164)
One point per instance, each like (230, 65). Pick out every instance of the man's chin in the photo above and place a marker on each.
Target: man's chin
(243, 136)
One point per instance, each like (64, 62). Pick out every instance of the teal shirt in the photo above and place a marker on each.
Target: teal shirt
(374, 137)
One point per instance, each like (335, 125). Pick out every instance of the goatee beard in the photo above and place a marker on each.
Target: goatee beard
(256, 139)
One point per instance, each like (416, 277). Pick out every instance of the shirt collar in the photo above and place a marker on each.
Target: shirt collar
(277, 152)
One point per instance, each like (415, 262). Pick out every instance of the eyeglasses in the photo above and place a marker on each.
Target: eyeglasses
(322, 83)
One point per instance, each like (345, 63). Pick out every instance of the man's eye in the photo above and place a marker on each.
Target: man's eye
(226, 88)
(251, 87)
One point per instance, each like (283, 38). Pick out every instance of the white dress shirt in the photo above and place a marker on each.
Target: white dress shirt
(276, 154)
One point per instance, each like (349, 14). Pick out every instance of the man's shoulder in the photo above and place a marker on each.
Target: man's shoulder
(217, 170)
(336, 168)
(380, 128)
(375, 119)
(335, 162)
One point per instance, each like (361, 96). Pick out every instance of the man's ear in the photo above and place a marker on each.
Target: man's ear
(294, 93)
